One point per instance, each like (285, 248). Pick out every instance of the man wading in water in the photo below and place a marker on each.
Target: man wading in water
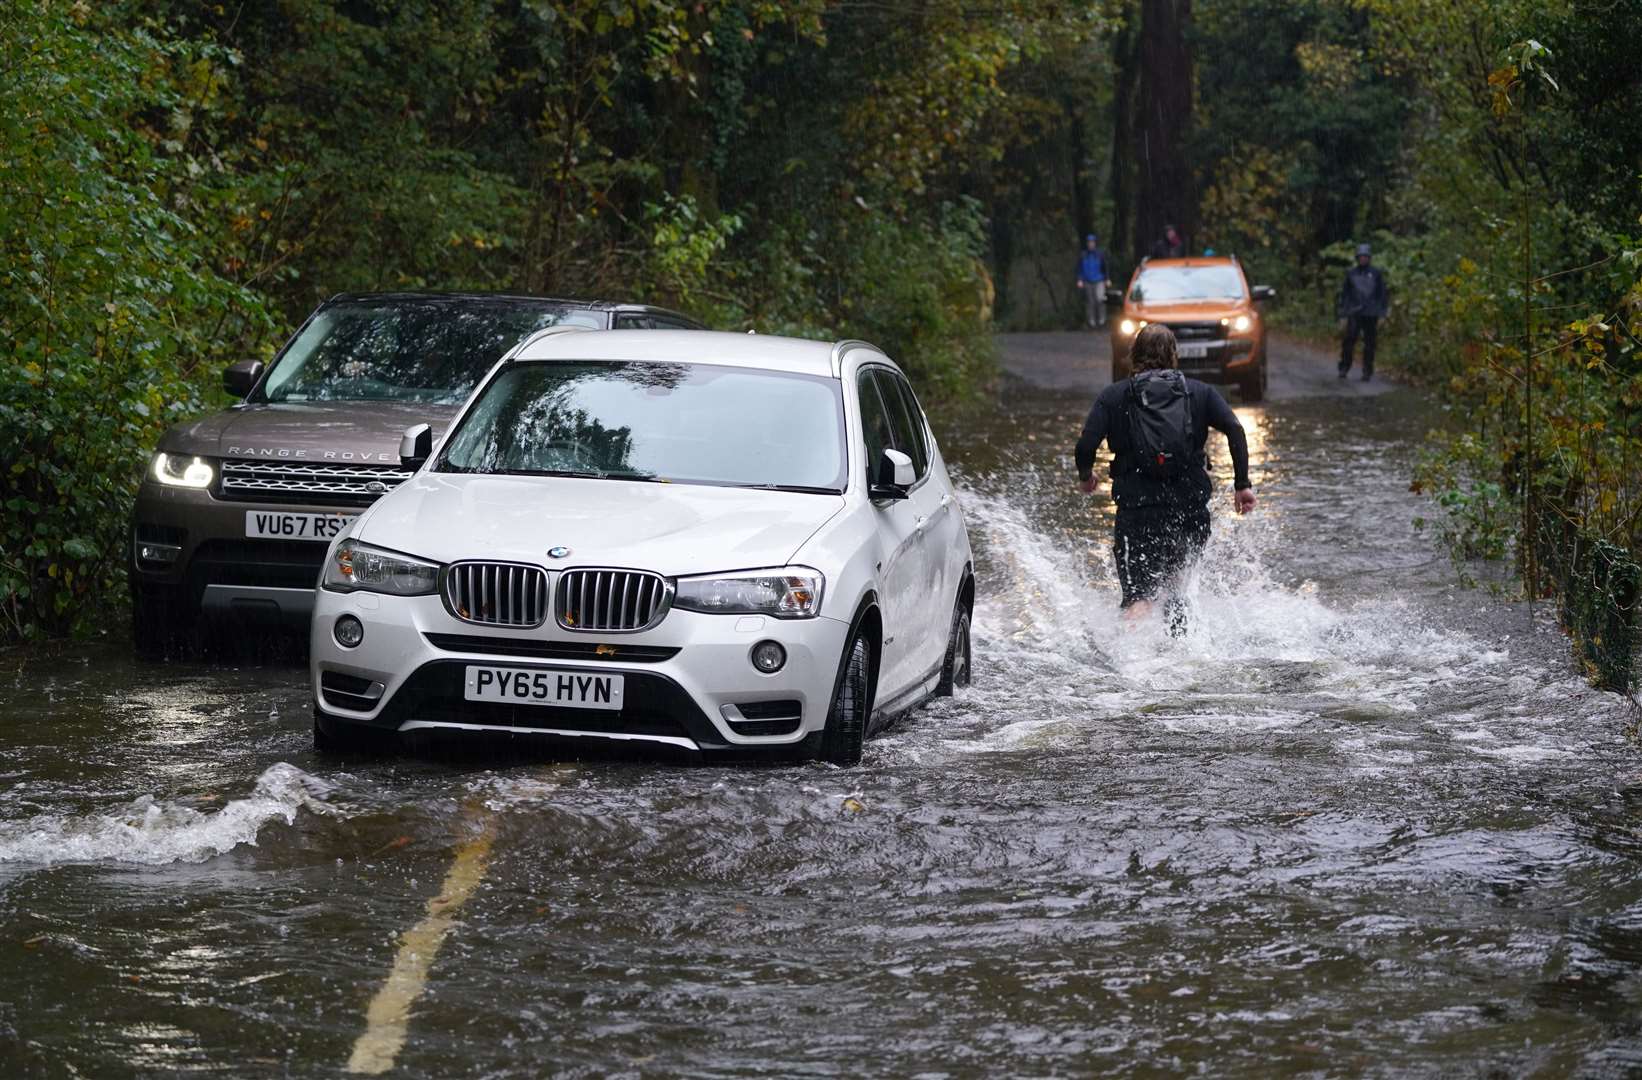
(1157, 423)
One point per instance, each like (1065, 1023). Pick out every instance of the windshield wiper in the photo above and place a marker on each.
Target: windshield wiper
(802, 489)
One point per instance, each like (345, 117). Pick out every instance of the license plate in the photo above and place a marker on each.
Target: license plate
(278, 525)
(1193, 351)
(532, 686)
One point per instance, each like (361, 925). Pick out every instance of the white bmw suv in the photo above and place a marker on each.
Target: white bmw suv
(720, 542)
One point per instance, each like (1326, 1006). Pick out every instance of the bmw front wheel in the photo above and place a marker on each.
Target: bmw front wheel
(956, 668)
(846, 729)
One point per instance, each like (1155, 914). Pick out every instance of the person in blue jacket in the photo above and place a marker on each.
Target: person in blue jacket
(1093, 280)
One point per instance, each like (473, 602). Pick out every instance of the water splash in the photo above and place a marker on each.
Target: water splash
(155, 833)
(1264, 649)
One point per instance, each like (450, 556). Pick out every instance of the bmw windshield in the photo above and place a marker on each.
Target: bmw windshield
(1183, 284)
(428, 351)
(663, 422)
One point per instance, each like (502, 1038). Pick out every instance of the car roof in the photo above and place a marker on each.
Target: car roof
(507, 298)
(764, 351)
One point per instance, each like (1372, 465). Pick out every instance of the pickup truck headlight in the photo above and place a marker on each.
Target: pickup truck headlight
(1241, 324)
(787, 592)
(176, 470)
(356, 567)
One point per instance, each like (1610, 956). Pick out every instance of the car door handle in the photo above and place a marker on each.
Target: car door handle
(922, 521)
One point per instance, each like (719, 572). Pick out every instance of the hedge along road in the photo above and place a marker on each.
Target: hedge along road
(1356, 822)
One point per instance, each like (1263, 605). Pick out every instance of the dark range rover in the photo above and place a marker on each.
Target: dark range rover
(236, 508)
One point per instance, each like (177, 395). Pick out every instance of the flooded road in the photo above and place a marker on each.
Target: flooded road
(1355, 822)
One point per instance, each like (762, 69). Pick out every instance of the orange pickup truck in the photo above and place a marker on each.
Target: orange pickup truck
(1213, 311)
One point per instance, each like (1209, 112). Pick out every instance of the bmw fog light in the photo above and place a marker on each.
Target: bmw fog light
(349, 631)
(769, 657)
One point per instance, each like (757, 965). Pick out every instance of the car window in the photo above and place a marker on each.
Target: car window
(906, 419)
(1161, 284)
(430, 351)
(875, 423)
(634, 322)
(671, 423)
(662, 322)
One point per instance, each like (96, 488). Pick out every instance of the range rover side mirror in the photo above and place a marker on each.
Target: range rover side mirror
(1263, 292)
(895, 476)
(239, 378)
(415, 446)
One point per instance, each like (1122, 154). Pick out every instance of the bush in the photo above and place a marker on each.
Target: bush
(111, 315)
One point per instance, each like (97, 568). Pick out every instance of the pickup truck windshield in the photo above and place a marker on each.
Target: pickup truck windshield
(673, 423)
(1165, 284)
(430, 351)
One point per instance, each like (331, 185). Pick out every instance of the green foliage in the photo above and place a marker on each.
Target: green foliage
(112, 311)
(181, 181)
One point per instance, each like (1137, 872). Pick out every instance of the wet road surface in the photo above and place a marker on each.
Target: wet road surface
(1356, 822)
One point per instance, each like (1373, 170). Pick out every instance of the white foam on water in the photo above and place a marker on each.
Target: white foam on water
(154, 833)
(1054, 652)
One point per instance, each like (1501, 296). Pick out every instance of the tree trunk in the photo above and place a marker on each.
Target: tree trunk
(1167, 191)
(1126, 62)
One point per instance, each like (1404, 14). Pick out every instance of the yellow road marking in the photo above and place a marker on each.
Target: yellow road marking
(389, 1012)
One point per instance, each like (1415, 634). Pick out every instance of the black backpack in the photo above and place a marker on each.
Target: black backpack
(1160, 423)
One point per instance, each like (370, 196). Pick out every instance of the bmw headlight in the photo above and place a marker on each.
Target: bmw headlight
(356, 567)
(178, 470)
(787, 592)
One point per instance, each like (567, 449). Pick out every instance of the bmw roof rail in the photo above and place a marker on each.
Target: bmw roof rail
(839, 348)
(548, 331)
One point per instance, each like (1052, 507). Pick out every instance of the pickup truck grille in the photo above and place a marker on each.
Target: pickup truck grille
(606, 601)
(497, 594)
(308, 481)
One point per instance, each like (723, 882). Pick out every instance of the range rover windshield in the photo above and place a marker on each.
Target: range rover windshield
(429, 351)
(671, 423)
(1165, 284)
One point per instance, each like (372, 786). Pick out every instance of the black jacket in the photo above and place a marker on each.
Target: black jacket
(1131, 487)
(1363, 292)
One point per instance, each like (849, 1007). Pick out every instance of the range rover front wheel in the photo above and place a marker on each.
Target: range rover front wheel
(159, 620)
(846, 729)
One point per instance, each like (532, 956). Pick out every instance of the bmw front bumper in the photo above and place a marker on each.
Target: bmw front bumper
(689, 681)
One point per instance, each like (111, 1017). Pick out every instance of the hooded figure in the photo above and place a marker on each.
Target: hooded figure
(1170, 245)
(1362, 303)
(1093, 280)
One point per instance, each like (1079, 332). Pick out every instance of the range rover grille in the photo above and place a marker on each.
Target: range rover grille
(496, 594)
(621, 601)
(265, 479)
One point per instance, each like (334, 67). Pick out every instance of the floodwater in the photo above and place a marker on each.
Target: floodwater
(1355, 822)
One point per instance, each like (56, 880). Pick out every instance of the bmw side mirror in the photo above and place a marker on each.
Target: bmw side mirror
(415, 446)
(895, 476)
(1263, 292)
(238, 379)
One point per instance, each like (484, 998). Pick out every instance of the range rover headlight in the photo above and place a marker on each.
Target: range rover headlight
(177, 470)
(356, 567)
(787, 592)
